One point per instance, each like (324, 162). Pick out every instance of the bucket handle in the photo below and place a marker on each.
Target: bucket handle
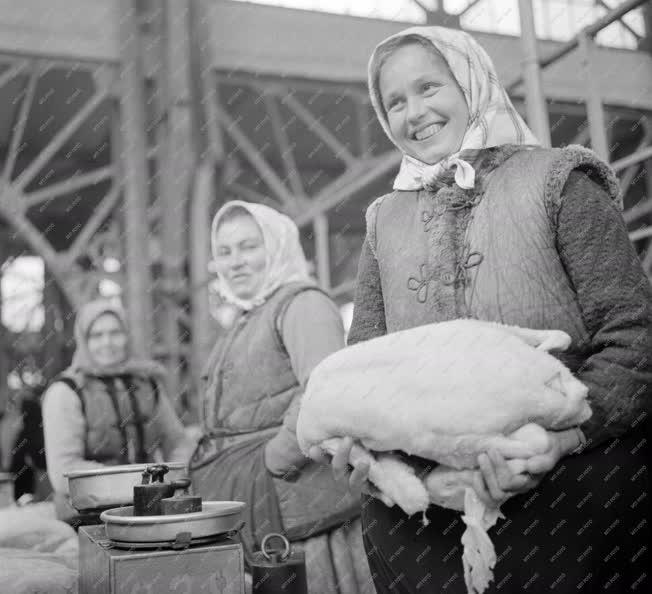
(286, 545)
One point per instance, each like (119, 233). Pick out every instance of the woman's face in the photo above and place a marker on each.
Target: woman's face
(107, 341)
(241, 258)
(426, 109)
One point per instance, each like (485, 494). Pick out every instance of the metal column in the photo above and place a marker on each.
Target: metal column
(208, 152)
(594, 109)
(535, 101)
(176, 167)
(322, 251)
(136, 187)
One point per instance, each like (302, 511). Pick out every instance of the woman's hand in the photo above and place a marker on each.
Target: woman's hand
(562, 443)
(497, 481)
(356, 472)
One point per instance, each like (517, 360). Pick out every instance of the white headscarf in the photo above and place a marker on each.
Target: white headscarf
(493, 121)
(286, 261)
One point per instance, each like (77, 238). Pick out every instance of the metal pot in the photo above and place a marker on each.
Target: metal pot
(111, 486)
(216, 517)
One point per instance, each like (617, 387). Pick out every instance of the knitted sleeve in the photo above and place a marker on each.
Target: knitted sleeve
(312, 329)
(176, 444)
(616, 303)
(64, 432)
(369, 306)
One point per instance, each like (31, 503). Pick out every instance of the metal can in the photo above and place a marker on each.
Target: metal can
(275, 571)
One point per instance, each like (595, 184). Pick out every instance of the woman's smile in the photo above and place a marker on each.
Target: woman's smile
(240, 277)
(425, 107)
(241, 257)
(424, 133)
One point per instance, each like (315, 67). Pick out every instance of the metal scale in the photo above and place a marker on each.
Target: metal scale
(167, 541)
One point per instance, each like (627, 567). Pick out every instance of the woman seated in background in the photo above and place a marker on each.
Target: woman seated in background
(283, 326)
(107, 408)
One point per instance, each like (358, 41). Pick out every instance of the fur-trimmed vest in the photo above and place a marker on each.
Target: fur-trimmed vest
(487, 253)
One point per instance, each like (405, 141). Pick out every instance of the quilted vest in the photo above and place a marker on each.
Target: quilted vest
(119, 412)
(488, 253)
(249, 375)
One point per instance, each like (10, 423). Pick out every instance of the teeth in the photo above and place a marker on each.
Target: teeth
(428, 131)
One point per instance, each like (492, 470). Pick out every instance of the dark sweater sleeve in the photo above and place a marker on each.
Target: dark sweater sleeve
(368, 307)
(616, 303)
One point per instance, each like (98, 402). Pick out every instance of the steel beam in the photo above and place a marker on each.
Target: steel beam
(60, 138)
(13, 71)
(208, 153)
(258, 162)
(322, 251)
(468, 7)
(329, 198)
(130, 137)
(249, 195)
(622, 22)
(176, 160)
(100, 214)
(642, 233)
(285, 149)
(594, 108)
(314, 125)
(591, 31)
(535, 100)
(19, 128)
(71, 184)
(629, 160)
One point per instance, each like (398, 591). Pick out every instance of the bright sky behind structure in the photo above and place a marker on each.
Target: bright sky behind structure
(555, 19)
(21, 287)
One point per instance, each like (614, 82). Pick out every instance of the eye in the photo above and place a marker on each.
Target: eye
(430, 88)
(223, 252)
(250, 245)
(394, 104)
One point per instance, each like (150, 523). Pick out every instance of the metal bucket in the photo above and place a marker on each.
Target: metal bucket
(275, 571)
(111, 486)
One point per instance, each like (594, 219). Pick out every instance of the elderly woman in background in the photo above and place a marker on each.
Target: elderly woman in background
(107, 408)
(283, 326)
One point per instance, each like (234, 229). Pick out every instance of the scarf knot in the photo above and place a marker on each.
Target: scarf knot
(452, 169)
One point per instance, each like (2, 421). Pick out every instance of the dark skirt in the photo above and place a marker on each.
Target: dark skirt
(585, 528)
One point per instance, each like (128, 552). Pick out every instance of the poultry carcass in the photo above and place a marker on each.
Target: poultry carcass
(445, 392)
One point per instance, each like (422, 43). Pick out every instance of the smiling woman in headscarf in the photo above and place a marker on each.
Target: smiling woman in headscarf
(107, 407)
(484, 223)
(255, 377)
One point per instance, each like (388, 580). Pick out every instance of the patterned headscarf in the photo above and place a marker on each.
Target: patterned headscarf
(286, 261)
(493, 121)
(82, 362)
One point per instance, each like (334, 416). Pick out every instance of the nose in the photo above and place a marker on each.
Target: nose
(105, 340)
(415, 109)
(237, 260)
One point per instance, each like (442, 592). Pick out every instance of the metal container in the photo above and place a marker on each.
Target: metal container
(111, 486)
(216, 517)
(274, 570)
(212, 568)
